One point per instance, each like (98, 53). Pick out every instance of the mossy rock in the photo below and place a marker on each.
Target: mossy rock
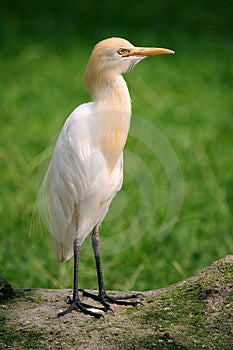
(194, 314)
(6, 291)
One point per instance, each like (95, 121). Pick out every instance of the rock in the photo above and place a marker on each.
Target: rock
(194, 314)
(6, 291)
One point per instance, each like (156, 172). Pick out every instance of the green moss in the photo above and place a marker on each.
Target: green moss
(19, 338)
(158, 342)
(197, 314)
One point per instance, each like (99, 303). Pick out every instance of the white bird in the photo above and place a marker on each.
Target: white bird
(86, 170)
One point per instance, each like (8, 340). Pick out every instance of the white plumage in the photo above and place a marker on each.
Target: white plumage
(86, 170)
(81, 184)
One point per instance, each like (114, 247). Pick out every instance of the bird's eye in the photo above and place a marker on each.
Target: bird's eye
(123, 52)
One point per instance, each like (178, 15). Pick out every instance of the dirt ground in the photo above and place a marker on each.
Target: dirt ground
(194, 314)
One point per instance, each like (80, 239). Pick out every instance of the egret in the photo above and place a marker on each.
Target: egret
(86, 170)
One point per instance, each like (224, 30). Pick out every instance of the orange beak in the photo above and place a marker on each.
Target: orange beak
(147, 51)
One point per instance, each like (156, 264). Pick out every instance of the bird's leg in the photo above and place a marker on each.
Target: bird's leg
(75, 303)
(96, 249)
(103, 297)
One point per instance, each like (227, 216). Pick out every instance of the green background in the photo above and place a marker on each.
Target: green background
(187, 97)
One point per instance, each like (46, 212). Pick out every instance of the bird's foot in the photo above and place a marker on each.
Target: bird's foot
(105, 299)
(97, 312)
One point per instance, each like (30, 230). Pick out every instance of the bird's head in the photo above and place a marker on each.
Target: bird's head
(115, 56)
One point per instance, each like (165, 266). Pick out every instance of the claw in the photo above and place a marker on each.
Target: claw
(104, 299)
(85, 308)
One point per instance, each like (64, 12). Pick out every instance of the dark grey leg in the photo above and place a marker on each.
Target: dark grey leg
(76, 304)
(102, 297)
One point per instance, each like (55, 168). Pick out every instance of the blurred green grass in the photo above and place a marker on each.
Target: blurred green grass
(187, 97)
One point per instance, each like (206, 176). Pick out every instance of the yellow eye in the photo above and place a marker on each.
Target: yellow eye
(123, 52)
